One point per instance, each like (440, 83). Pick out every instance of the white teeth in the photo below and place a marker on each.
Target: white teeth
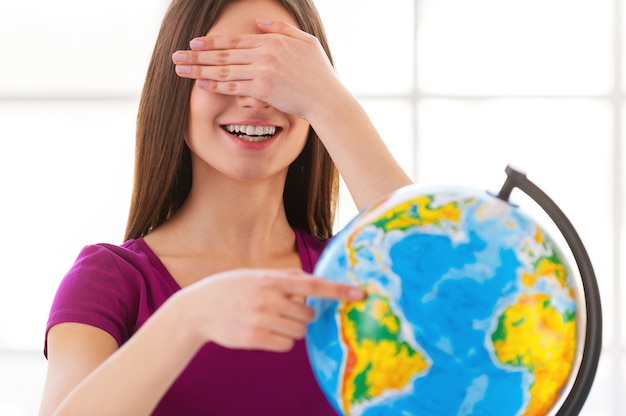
(251, 133)
(250, 130)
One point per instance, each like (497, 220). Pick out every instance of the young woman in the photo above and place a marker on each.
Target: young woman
(242, 126)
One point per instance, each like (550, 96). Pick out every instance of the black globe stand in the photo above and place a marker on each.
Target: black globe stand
(576, 397)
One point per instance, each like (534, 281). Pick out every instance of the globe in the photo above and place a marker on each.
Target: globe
(472, 309)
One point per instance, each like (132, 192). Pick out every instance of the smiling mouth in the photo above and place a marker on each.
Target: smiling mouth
(251, 133)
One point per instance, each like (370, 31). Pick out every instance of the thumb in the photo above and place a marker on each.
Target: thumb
(270, 26)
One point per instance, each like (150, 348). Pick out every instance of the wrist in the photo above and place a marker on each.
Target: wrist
(332, 105)
(179, 323)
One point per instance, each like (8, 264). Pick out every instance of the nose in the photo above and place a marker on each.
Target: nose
(252, 103)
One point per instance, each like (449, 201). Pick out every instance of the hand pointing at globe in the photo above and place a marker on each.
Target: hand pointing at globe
(255, 308)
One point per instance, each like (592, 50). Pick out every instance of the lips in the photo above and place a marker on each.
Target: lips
(251, 133)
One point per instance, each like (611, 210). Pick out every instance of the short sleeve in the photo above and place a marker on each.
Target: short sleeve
(96, 292)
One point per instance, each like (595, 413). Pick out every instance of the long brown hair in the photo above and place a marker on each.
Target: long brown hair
(162, 177)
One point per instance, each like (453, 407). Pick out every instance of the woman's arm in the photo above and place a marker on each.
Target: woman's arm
(245, 309)
(89, 375)
(360, 154)
(364, 161)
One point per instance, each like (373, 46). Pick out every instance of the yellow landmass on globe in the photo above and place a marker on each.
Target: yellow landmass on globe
(417, 212)
(533, 334)
(378, 358)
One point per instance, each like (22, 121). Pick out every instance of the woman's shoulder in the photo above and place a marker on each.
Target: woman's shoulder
(130, 267)
(112, 287)
(136, 248)
(131, 255)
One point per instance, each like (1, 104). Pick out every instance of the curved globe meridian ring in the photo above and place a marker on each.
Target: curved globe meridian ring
(471, 309)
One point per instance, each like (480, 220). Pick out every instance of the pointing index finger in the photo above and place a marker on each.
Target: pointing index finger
(312, 286)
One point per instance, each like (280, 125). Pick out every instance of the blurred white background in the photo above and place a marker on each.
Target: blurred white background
(458, 88)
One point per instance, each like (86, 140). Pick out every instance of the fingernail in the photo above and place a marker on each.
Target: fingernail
(357, 294)
(179, 57)
(183, 69)
(263, 21)
(196, 44)
(202, 83)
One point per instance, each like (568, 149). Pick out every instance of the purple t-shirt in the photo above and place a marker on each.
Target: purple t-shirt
(117, 288)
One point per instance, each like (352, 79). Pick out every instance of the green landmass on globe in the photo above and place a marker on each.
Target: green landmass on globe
(491, 302)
